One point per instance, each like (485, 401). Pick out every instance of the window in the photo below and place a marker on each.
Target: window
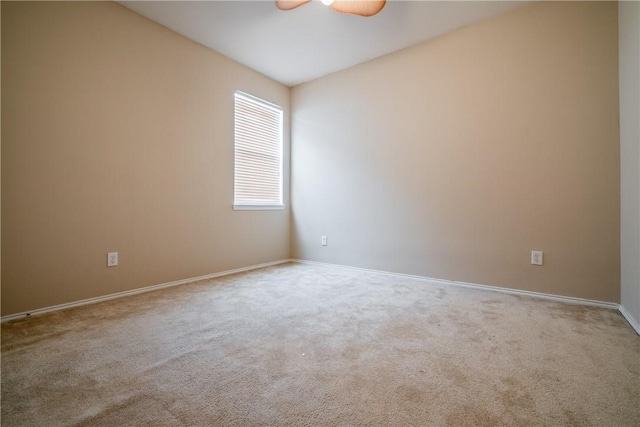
(258, 154)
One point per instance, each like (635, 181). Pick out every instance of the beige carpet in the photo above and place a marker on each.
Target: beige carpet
(316, 346)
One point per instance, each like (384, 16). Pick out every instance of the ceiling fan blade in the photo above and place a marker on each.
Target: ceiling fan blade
(358, 7)
(290, 4)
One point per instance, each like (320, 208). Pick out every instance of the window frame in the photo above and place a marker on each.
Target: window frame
(259, 103)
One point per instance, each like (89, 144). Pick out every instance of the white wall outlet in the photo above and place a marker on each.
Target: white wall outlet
(112, 259)
(536, 257)
(324, 240)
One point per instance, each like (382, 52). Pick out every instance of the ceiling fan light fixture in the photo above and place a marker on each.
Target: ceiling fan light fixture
(351, 7)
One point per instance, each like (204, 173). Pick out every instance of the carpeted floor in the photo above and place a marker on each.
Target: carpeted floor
(318, 346)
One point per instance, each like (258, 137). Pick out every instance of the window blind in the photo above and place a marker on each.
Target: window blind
(258, 153)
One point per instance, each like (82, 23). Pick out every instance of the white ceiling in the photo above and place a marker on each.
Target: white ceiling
(311, 41)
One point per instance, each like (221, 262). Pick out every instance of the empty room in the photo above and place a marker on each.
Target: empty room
(320, 213)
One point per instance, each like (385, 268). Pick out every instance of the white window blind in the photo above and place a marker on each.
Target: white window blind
(258, 153)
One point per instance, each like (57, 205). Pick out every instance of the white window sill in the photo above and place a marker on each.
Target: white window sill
(258, 207)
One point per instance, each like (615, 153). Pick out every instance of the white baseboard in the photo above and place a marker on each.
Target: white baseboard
(633, 322)
(571, 300)
(135, 291)
(559, 298)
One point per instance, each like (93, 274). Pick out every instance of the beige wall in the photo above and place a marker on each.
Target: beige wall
(117, 135)
(455, 158)
(629, 17)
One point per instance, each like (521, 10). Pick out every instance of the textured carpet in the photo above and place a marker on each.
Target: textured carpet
(313, 346)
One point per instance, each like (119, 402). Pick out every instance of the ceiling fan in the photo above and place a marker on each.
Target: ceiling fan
(353, 7)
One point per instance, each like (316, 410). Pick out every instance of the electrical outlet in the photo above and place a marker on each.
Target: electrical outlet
(536, 257)
(112, 259)
(324, 240)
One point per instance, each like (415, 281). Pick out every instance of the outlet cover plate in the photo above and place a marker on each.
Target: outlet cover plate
(112, 259)
(537, 257)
